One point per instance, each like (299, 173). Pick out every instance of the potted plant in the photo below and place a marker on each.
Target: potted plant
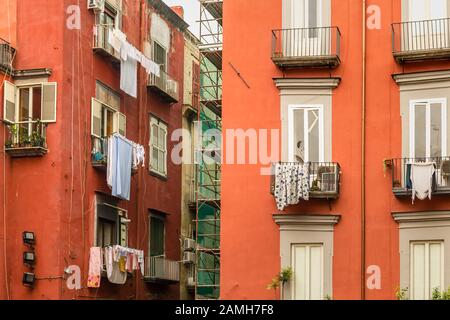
(280, 280)
(397, 184)
(36, 139)
(13, 130)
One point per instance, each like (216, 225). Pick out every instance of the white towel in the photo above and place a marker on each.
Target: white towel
(422, 180)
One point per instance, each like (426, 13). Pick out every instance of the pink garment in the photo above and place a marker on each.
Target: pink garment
(95, 267)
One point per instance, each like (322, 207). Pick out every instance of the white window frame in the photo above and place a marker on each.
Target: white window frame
(308, 247)
(428, 292)
(412, 125)
(291, 110)
(161, 125)
(303, 21)
(427, 12)
(117, 116)
(32, 85)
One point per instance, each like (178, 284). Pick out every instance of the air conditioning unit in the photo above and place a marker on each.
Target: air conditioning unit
(96, 5)
(189, 244)
(188, 257)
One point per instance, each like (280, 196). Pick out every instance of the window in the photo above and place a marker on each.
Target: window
(306, 133)
(30, 102)
(106, 118)
(158, 146)
(428, 128)
(306, 13)
(160, 55)
(426, 269)
(307, 265)
(420, 10)
(112, 225)
(157, 235)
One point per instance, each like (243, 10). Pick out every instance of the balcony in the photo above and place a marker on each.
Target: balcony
(161, 270)
(421, 40)
(26, 139)
(101, 45)
(306, 47)
(6, 55)
(99, 154)
(165, 86)
(324, 180)
(401, 170)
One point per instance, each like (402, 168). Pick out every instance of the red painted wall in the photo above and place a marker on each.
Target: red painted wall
(250, 255)
(54, 195)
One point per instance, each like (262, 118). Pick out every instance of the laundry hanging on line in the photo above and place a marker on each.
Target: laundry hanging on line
(422, 179)
(117, 261)
(120, 158)
(128, 82)
(291, 184)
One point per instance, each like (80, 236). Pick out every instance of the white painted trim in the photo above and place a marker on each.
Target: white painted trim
(427, 103)
(291, 109)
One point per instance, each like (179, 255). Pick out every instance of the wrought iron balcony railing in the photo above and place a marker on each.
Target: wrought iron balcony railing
(26, 139)
(324, 180)
(421, 40)
(306, 47)
(401, 174)
(160, 269)
(99, 154)
(101, 44)
(6, 55)
(164, 85)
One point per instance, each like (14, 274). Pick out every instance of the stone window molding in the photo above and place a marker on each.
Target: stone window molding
(307, 229)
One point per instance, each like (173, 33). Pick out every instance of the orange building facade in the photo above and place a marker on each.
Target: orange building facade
(62, 97)
(358, 92)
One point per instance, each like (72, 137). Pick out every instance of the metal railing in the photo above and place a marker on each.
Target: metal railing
(160, 268)
(6, 54)
(26, 134)
(101, 35)
(306, 42)
(426, 35)
(165, 84)
(324, 179)
(99, 150)
(401, 173)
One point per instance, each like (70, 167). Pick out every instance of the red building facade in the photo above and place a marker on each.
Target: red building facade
(58, 191)
(378, 89)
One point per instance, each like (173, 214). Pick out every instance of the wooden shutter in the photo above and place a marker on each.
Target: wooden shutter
(120, 123)
(9, 102)
(96, 118)
(48, 106)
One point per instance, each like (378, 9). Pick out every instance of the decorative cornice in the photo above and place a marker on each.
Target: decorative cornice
(302, 219)
(169, 14)
(307, 83)
(421, 216)
(32, 73)
(421, 77)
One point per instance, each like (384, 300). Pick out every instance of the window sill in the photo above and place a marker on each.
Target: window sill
(158, 175)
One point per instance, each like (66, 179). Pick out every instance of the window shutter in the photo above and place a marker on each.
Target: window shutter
(9, 102)
(96, 118)
(121, 124)
(48, 106)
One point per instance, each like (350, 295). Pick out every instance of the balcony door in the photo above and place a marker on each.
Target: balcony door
(428, 128)
(306, 133)
(427, 28)
(305, 37)
(307, 264)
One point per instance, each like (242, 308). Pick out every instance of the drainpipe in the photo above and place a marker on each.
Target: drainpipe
(363, 157)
